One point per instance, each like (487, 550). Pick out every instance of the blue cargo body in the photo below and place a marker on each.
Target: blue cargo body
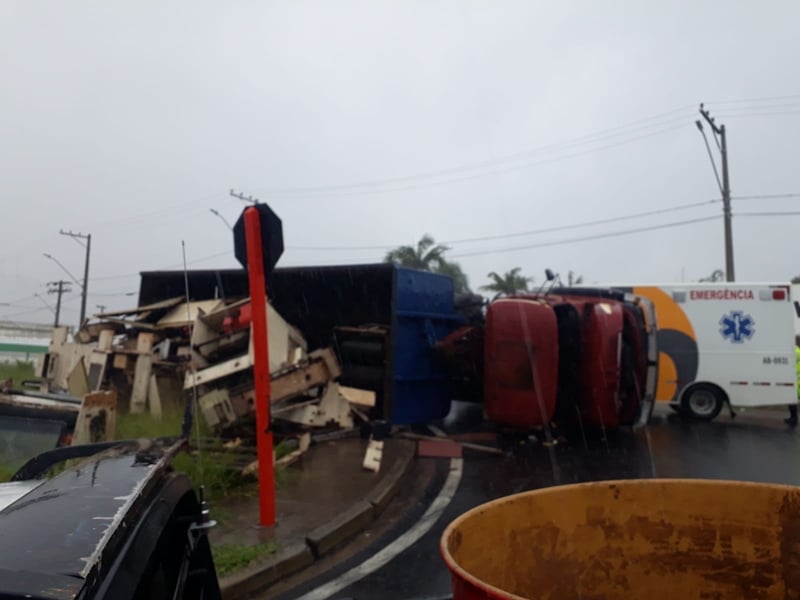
(423, 314)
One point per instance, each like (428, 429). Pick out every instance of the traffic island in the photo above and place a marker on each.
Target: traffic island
(316, 512)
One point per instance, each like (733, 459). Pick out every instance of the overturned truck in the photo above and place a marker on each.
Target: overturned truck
(585, 357)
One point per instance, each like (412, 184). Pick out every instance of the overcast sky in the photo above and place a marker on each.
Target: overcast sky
(367, 124)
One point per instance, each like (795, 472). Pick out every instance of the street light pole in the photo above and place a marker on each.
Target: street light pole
(214, 211)
(63, 268)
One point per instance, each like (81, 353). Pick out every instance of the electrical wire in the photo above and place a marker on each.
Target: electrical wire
(387, 185)
(111, 294)
(761, 114)
(589, 237)
(711, 157)
(767, 196)
(172, 266)
(17, 300)
(487, 166)
(768, 214)
(474, 239)
(24, 312)
(605, 221)
(650, 213)
(756, 100)
(598, 136)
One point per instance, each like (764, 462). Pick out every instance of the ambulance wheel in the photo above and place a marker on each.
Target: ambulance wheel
(702, 402)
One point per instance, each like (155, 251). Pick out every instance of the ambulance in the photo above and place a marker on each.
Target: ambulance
(723, 343)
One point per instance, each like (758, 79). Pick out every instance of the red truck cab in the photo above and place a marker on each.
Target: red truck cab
(569, 356)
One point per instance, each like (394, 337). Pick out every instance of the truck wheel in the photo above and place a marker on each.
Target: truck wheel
(702, 402)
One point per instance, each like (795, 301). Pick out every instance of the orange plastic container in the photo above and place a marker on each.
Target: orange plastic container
(653, 539)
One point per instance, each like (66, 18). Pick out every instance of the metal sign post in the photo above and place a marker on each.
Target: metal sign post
(258, 244)
(258, 297)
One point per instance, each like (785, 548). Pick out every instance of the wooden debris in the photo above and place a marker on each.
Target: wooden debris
(154, 397)
(97, 418)
(77, 382)
(358, 396)
(373, 455)
(141, 376)
(304, 443)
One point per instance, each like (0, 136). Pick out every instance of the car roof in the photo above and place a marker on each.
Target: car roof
(55, 531)
(12, 491)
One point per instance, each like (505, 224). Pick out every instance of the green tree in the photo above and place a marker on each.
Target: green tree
(510, 282)
(573, 280)
(796, 279)
(427, 255)
(454, 271)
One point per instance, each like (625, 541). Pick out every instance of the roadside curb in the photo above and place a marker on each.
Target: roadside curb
(301, 554)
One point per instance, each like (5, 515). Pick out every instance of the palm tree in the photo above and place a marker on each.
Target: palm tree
(510, 282)
(427, 255)
(572, 280)
(454, 271)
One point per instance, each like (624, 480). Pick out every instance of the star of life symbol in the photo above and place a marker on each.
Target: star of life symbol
(737, 326)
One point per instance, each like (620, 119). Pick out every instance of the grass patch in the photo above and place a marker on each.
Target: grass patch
(144, 425)
(17, 371)
(5, 473)
(233, 557)
(219, 473)
(217, 470)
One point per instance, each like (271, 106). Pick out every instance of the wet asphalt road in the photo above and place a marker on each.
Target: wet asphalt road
(750, 448)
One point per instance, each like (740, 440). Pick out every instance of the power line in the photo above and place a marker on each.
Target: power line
(148, 216)
(629, 217)
(650, 213)
(172, 266)
(588, 237)
(757, 114)
(765, 107)
(391, 184)
(769, 214)
(112, 294)
(487, 166)
(490, 163)
(756, 100)
(17, 300)
(473, 239)
(24, 312)
(767, 196)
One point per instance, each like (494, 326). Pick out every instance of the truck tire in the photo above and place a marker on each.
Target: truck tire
(702, 402)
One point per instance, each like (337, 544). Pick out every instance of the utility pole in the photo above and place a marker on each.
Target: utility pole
(244, 198)
(58, 287)
(101, 308)
(725, 186)
(85, 285)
